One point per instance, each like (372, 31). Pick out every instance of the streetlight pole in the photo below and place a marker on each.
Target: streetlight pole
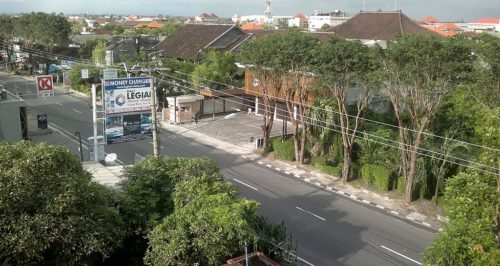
(94, 119)
(156, 150)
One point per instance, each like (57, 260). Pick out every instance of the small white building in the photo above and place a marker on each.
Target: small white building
(299, 21)
(484, 24)
(318, 19)
(182, 109)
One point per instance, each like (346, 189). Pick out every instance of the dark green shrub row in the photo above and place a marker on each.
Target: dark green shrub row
(376, 175)
(283, 150)
(327, 167)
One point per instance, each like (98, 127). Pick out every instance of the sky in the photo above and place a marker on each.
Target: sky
(443, 10)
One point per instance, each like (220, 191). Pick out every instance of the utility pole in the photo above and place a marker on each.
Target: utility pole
(80, 141)
(156, 152)
(94, 119)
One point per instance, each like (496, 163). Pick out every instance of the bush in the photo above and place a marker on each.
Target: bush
(283, 150)
(401, 185)
(377, 175)
(323, 164)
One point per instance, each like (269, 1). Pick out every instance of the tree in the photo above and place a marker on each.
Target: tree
(295, 55)
(419, 71)
(216, 69)
(344, 68)
(86, 49)
(7, 24)
(50, 210)
(209, 224)
(268, 73)
(75, 77)
(43, 28)
(99, 53)
(470, 237)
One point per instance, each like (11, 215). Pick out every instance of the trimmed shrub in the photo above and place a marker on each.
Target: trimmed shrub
(401, 185)
(325, 166)
(283, 150)
(377, 175)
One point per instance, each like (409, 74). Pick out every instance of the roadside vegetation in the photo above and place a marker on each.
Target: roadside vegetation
(166, 211)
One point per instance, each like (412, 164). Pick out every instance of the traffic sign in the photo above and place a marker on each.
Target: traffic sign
(110, 73)
(44, 85)
(85, 73)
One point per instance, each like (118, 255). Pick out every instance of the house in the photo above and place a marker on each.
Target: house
(485, 24)
(334, 18)
(445, 29)
(150, 25)
(251, 26)
(207, 18)
(192, 40)
(119, 46)
(379, 27)
(299, 21)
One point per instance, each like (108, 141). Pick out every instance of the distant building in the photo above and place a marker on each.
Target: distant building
(251, 26)
(299, 21)
(318, 19)
(379, 27)
(484, 25)
(206, 18)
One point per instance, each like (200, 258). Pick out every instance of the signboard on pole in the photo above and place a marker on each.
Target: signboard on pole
(128, 127)
(85, 73)
(110, 73)
(127, 108)
(127, 95)
(44, 85)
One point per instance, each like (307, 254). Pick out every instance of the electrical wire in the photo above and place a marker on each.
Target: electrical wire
(407, 146)
(47, 54)
(364, 119)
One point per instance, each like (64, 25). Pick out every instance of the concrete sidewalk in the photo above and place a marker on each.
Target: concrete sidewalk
(236, 136)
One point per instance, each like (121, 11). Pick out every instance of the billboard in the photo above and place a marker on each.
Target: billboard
(126, 95)
(44, 85)
(127, 127)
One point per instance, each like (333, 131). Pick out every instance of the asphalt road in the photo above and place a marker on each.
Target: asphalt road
(328, 229)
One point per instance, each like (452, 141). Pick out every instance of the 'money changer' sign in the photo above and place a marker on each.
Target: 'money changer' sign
(127, 95)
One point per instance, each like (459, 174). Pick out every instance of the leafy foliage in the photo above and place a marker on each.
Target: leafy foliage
(377, 175)
(209, 224)
(50, 210)
(468, 239)
(216, 68)
(43, 28)
(283, 149)
(75, 77)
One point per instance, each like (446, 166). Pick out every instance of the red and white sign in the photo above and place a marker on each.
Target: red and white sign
(44, 85)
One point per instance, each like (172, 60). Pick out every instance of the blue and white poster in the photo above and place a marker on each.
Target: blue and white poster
(127, 95)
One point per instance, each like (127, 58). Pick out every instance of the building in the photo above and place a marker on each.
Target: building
(13, 117)
(299, 21)
(192, 40)
(485, 25)
(379, 27)
(334, 18)
(206, 18)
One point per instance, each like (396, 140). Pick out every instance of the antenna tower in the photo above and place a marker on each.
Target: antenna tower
(268, 8)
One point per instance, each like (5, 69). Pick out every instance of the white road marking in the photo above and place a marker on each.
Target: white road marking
(305, 261)
(286, 172)
(268, 165)
(395, 212)
(77, 111)
(397, 253)
(245, 184)
(366, 201)
(380, 207)
(277, 169)
(260, 162)
(58, 103)
(317, 216)
(426, 224)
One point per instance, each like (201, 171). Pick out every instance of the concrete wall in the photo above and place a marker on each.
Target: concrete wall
(10, 120)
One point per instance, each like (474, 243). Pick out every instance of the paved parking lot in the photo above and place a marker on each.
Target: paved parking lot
(239, 128)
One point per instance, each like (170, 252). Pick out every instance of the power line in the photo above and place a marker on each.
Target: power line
(369, 120)
(364, 133)
(364, 119)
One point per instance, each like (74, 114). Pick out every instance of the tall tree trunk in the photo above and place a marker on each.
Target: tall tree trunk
(347, 164)
(412, 162)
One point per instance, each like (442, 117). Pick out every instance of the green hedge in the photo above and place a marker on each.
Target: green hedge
(401, 185)
(283, 150)
(322, 164)
(376, 175)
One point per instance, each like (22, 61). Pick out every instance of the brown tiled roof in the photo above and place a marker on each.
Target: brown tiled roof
(379, 26)
(187, 41)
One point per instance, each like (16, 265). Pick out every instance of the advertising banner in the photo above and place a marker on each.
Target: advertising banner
(127, 95)
(128, 127)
